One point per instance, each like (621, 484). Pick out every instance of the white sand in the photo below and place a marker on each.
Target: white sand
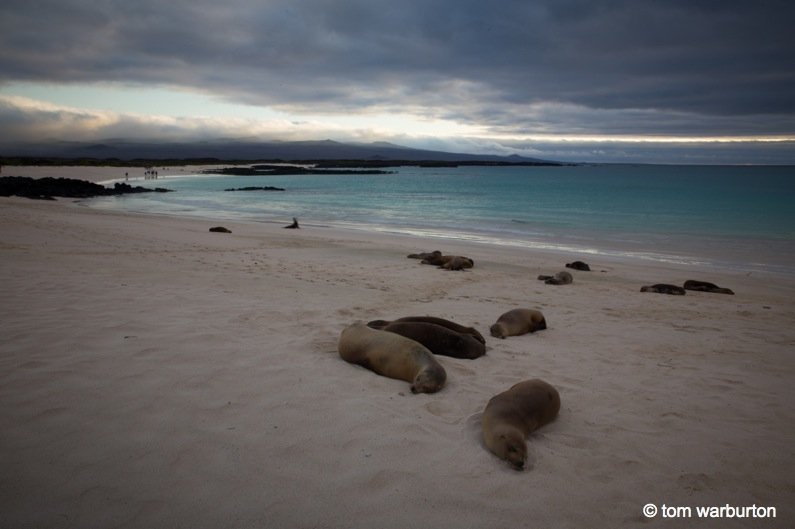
(153, 374)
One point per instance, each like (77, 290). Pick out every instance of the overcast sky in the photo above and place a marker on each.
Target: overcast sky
(640, 80)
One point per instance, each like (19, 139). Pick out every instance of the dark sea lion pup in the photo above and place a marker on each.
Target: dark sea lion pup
(453, 326)
(517, 322)
(439, 340)
(512, 415)
(662, 288)
(393, 356)
(436, 254)
(561, 278)
(579, 265)
(704, 286)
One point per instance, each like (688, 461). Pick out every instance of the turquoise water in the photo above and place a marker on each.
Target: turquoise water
(736, 217)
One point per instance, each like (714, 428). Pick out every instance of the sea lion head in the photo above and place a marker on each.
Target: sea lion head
(429, 380)
(511, 446)
(497, 331)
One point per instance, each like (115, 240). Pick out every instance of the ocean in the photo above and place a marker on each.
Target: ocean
(735, 217)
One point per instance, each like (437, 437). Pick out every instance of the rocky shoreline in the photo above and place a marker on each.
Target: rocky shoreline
(48, 188)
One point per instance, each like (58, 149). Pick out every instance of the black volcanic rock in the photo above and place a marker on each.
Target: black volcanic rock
(265, 188)
(47, 188)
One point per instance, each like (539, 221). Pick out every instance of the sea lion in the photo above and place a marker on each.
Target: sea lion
(662, 288)
(457, 262)
(704, 286)
(220, 229)
(438, 339)
(517, 322)
(561, 278)
(453, 326)
(579, 265)
(294, 225)
(512, 415)
(393, 356)
(442, 260)
(425, 255)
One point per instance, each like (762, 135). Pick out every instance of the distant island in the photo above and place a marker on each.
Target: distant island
(326, 154)
(286, 169)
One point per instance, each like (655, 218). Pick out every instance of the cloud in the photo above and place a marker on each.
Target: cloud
(510, 67)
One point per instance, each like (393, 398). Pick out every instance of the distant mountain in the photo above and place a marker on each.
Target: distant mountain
(230, 150)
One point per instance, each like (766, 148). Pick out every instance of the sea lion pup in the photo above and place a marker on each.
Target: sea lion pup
(517, 322)
(512, 415)
(457, 262)
(393, 356)
(704, 286)
(293, 226)
(425, 255)
(439, 340)
(579, 265)
(662, 288)
(453, 326)
(561, 278)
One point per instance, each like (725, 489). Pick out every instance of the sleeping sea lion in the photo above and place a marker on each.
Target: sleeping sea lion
(457, 262)
(425, 255)
(517, 322)
(439, 340)
(662, 288)
(704, 286)
(453, 326)
(513, 414)
(393, 356)
(579, 265)
(561, 278)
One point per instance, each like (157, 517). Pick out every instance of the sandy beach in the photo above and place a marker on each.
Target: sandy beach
(154, 374)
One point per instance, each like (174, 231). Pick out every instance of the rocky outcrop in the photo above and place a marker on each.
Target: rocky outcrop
(48, 188)
(265, 188)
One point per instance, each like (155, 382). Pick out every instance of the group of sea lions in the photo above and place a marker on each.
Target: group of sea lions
(690, 284)
(564, 277)
(404, 349)
(446, 262)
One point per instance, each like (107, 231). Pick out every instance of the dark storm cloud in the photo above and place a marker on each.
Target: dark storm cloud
(665, 67)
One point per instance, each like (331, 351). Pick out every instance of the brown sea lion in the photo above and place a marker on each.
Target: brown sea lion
(425, 255)
(442, 260)
(393, 356)
(517, 322)
(662, 288)
(513, 414)
(453, 326)
(704, 286)
(579, 265)
(458, 262)
(561, 278)
(439, 340)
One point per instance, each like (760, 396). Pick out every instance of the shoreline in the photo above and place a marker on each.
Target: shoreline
(154, 374)
(714, 252)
